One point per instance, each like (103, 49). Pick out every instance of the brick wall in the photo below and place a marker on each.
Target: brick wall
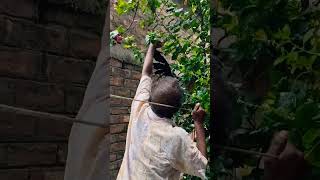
(47, 55)
(124, 80)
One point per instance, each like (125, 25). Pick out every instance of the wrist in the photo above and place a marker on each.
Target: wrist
(198, 123)
(152, 46)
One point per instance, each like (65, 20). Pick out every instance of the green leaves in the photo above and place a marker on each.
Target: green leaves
(261, 35)
(123, 6)
(305, 113)
(310, 137)
(276, 36)
(153, 5)
(308, 35)
(284, 33)
(152, 37)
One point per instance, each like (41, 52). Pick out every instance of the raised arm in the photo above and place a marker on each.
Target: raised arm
(148, 61)
(198, 118)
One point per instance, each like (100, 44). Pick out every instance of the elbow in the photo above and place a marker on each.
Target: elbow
(146, 73)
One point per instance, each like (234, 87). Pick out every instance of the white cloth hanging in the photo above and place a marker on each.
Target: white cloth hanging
(88, 152)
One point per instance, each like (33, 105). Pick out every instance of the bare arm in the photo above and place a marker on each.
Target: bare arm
(198, 117)
(148, 61)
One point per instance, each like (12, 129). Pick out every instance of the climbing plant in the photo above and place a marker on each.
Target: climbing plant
(184, 28)
(276, 57)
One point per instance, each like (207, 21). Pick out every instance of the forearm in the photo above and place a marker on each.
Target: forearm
(200, 137)
(148, 61)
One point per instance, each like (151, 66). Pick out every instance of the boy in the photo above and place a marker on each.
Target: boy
(155, 148)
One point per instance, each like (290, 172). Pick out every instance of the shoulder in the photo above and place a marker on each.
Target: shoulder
(145, 78)
(179, 135)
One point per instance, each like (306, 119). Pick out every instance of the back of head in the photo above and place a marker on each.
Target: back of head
(166, 90)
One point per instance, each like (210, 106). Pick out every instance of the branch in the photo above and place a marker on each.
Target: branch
(134, 16)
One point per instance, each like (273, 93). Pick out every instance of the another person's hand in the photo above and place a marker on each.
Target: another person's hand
(198, 114)
(290, 164)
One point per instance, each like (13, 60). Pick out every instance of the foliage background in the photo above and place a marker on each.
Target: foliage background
(273, 76)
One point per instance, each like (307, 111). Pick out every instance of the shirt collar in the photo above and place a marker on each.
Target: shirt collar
(155, 117)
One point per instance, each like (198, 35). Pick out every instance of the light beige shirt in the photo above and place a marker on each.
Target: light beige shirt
(156, 149)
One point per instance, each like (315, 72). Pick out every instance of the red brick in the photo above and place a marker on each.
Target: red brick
(7, 91)
(31, 154)
(64, 16)
(60, 2)
(113, 173)
(118, 72)
(3, 30)
(16, 125)
(116, 81)
(18, 8)
(59, 16)
(128, 66)
(55, 39)
(116, 119)
(115, 101)
(118, 146)
(3, 155)
(74, 97)
(115, 165)
(121, 137)
(136, 75)
(120, 110)
(90, 22)
(113, 157)
(84, 45)
(118, 128)
(120, 91)
(127, 73)
(133, 92)
(133, 67)
(53, 173)
(120, 155)
(40, 96)
(14, 174)
(19, 63)
(115, 63)
(51, 128)
(62, 153)
(137, 68)
(25, 34)
(131, 83)
(126, 102)
(69, 69)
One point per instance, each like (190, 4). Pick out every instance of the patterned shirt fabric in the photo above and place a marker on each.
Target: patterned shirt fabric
(156, 149)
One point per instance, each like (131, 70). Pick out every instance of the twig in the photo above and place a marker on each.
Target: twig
(134, 17)
(303, 50)
(245, 151)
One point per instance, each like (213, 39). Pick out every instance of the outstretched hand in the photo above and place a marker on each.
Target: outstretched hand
(198, 114)
(158, 44)
(289, 166)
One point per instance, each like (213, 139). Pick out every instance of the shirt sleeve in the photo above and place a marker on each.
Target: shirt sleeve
(186, 157)
(142, 93)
